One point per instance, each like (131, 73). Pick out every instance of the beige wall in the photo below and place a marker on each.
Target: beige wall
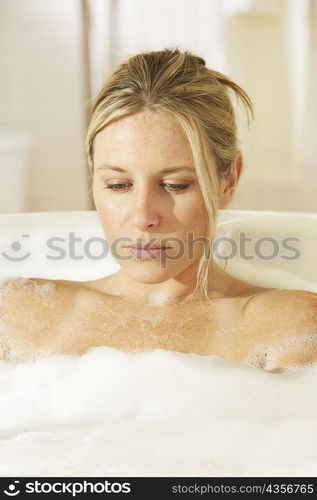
(42, 92)
(267, 47)
(269, 57)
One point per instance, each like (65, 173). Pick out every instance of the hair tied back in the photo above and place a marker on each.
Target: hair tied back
(201, 61)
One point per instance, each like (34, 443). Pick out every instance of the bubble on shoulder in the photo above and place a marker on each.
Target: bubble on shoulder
(12, 286)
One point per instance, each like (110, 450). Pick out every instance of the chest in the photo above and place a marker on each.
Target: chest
(203, 328)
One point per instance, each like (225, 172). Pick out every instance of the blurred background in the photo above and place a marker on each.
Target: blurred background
(55, 55)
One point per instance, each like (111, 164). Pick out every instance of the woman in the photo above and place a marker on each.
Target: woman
(163, 158)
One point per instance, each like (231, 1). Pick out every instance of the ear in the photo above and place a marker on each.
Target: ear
(90, 165)
(229, 183)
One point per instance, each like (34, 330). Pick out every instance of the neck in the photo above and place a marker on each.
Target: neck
(182, 288)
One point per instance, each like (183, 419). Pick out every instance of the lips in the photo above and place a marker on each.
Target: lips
(148, 253)
(144, 247)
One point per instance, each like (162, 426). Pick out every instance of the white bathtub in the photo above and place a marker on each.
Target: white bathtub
(30, 232)
(158, 413)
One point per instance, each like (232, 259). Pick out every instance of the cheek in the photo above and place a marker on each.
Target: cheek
(193, 216)
(108, 212)
(105, 204)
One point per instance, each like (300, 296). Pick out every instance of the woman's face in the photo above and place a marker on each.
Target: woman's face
(140, 202)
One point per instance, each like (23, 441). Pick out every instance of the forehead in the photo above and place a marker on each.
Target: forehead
(142, 137)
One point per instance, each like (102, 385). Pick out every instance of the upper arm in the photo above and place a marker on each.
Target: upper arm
(284, 323)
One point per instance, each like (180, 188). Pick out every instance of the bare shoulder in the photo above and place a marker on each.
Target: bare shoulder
(284, 307)
(22, 299)
(283, 323)
(46, 297)
(27, 291)
(30, 309)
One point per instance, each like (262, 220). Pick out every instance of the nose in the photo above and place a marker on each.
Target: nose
(145, 211)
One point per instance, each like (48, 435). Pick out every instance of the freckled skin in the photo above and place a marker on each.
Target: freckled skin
(145, 305)
(143, 145)
(77, 318)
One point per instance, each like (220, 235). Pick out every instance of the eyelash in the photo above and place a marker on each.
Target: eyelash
(174, 187)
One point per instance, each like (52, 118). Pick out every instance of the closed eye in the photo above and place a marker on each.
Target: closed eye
(171, 187)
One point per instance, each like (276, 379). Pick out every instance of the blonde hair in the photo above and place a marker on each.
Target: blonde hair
(179, 84)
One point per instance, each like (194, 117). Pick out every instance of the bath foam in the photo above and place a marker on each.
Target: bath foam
(42, 289)
(9, 285)
(156, 413)
(161, 413)
(156, 299)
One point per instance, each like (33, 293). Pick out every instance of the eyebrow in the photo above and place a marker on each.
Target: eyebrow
(164, 171)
